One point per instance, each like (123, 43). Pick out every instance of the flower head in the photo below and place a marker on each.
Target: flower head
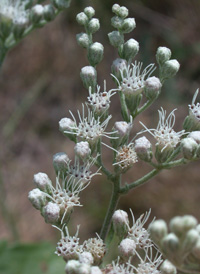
(138, 233)
(133, 78)
(14, 10)
(165, 135)
(68, 247)
(126, 157)
(89, 128)
(96, 247)
(100, 101)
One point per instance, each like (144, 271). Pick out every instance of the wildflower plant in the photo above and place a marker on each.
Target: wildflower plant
(20, 17)
(137, 88)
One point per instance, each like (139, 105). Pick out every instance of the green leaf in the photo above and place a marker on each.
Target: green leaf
(29, 259)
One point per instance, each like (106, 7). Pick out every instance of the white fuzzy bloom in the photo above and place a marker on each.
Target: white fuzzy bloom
(66, 124)
(118, 268)
(149, 265)
(142, 145)
(68, 247)
(72, 266)
(133, 78)
(82, 149)
(164, 133)
(123, 128)
(126, 157)
(89, 128)
(42, 181)
(138, 233)
(195, 135)
(38, 9)
(100, 101)
(95, 270)
(127, 248)
(51, 213)
(86, 258)
(14, 10)
(96, 247)
(194, 109)
(60, 161)
(37, 198)
(120, 217)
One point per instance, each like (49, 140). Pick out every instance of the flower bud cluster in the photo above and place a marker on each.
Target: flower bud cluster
(95, 50)
(179, 244)
(56, 203)
(133, 240)
(127, 50)
(168, 67)
(19, 17)
(81, 258)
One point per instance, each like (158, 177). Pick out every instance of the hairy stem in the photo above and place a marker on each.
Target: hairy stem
(112, 206)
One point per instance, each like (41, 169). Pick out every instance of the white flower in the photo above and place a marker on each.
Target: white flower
(164, 133)
(148, 265)
(14, 10)
(118, 268)
(81, 173)
(194, 109)
(89, 128)
(138, 233)
(96, 247)
(126, 157)
(133, 78)
(100, 101)
(68, 247)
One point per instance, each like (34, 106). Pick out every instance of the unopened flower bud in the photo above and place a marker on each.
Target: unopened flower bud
(168, 268)
(72, 267)
(49, 12)
(122, 12)
(89, 11)
(118, 68)
(115, 8)
(170, 244)
(95, 270)
(189, 147)
(42, 181)
(143, 148)
(66, 124)
(117, 22)
(190, 240)
(195, 135)
(5, 26)
(115, 38)
(196, 249)
(37, 13)
(84, 269)
(158, 230)
(130, 49)
(123, 128)
(170, 68)
(152, 87)
(128, 25)
(61, 4)
(120, 222)
(37, 198)
(93, 25)
(127, 248)
(83, 40)
(95, 53)
(89, 77)
(82, 18)
(180, 225)
(18, 29)
(60, 161)
(82, 150)
(51, 213)
(86, 258)
(163, 54)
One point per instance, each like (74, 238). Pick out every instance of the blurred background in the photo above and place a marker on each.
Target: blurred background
(42, 76)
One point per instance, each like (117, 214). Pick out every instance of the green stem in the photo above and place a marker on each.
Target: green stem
(99, 161)
(112, 206)
(144, 107)
(171, 164)
(124, 109)
(140, 181)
